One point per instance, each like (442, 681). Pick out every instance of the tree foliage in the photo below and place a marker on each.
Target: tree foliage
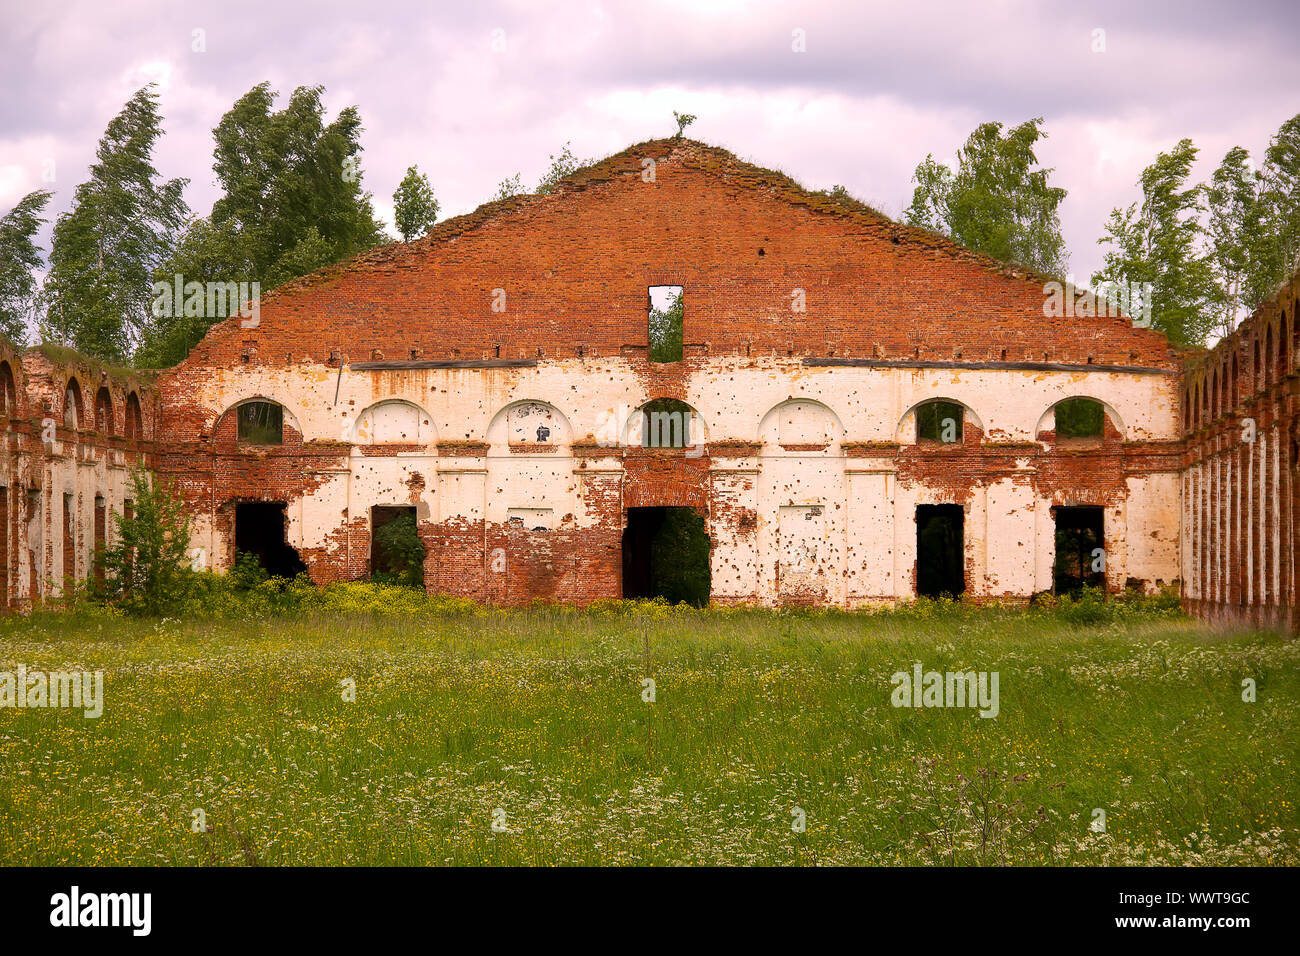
(284, 173)
(292, 202)
(1158, 241)
(666, 327)
(121, 227)
(415, 209)
(1235, 238)
(1279, 201)
(998, 201)
(1212, 252)
(20, 256)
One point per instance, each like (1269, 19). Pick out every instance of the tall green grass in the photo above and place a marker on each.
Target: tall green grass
(535, 720)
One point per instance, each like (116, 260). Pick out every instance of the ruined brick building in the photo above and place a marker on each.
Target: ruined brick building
(860, 412)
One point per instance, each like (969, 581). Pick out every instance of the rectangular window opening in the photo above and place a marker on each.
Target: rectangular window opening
(666, 322)
(396, 552)
(1080, 549)
(940, 550)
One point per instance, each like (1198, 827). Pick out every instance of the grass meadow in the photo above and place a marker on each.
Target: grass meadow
(522, 737)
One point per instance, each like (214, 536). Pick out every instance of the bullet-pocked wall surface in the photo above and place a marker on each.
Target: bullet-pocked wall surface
(497, 377)
(861, 411)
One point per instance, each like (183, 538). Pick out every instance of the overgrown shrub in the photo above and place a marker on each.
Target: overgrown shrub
(1088, 608)
(147, 570)
(398, 540)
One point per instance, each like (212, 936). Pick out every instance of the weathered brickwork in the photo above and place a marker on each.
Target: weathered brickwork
(70, 432)
(1239, 488)
(415, 375)
(489, 378)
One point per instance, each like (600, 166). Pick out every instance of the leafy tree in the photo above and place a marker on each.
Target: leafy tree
(292, 202)
(19, 257)
(561, 166)
(415, 208)
(1280, 213)
(1156, 242)
(998, 200)
(120, 229)
(147, 570)
(203, 250)
(1234, 231)
(312, 251)
(285, 172)
(683, 120)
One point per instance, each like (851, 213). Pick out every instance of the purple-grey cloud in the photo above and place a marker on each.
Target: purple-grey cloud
(878, 88)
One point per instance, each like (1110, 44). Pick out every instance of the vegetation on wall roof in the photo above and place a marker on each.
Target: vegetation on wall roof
(64, 355)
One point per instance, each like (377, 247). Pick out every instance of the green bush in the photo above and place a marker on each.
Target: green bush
(147, 571)
(1088, 608)
(398, 542)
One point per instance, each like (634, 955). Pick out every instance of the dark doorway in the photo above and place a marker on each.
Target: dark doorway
(1079, 535)
(940, 550)
(396, 551)
(260, 530)
(666, 554)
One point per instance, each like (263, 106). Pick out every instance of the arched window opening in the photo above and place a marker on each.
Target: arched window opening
(940, 422)
(1268, 356)
(666, 423)
(1079, 418)
(134, 420)
(1295, 330)
(72, 405)
(260, 423)
(1281, 363)
(103, 412)
(8, 392)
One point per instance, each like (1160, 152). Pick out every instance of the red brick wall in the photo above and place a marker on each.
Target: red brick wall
(575, 268)
(1240, 508)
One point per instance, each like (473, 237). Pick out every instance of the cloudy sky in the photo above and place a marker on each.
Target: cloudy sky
(474, 92)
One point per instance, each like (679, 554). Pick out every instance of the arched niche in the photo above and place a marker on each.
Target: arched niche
(529, 425)
(394, 422)
(800, 426)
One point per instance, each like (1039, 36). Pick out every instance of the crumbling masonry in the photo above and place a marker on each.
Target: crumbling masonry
(492, 378)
